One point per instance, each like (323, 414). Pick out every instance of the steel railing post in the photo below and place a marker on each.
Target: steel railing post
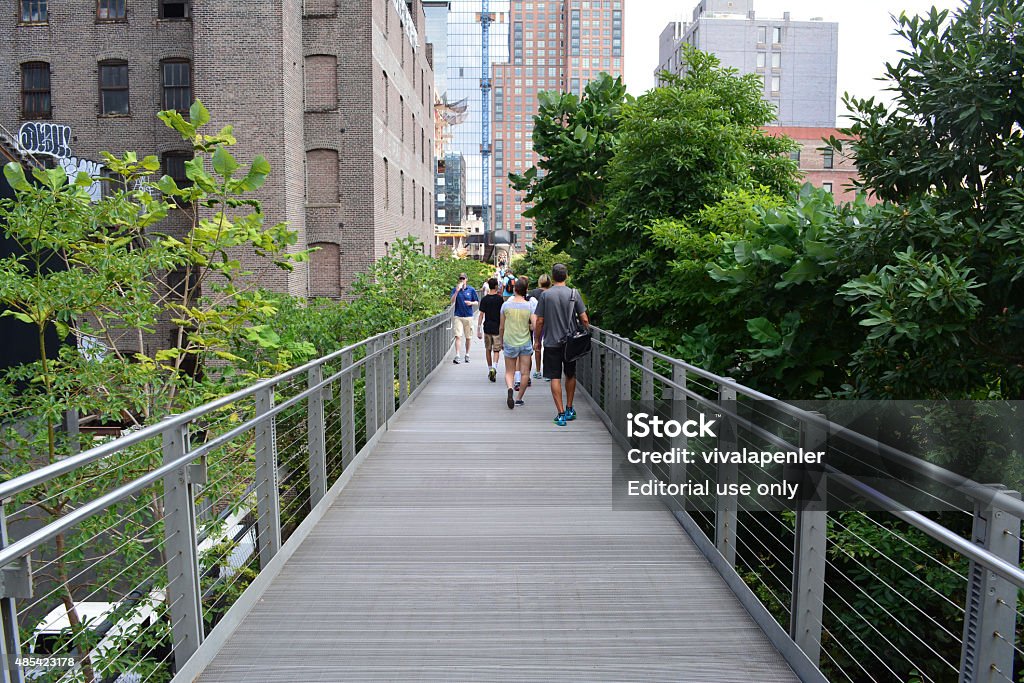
(15, 582)
(647, 394)
(647, 378)
(346, 401)
(388, 371)
(268, 501)
(317, 435)
(371, 376)
(403, 366)
(184, 594)
(990, 616)
(727, 475)
(680, 410)
(810, 544)
(594, 387)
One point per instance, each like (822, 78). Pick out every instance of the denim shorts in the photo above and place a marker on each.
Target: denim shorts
(517, 351)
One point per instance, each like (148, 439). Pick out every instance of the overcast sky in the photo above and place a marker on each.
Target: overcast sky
(866, 42)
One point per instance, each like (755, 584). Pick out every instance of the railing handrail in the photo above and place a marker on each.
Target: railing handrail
(46, 473)
(964, 485)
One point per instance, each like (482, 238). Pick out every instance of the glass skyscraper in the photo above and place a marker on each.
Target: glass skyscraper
(464, 57)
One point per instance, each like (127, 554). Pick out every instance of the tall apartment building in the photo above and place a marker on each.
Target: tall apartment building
(556, 45)
(797, 59)
(337, 94)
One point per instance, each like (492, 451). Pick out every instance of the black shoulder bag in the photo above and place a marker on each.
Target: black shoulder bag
(576, 343)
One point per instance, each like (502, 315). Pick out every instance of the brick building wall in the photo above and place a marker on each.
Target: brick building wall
(818, 164)
(247, 63)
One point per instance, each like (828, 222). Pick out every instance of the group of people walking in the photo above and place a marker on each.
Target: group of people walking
(527, 327)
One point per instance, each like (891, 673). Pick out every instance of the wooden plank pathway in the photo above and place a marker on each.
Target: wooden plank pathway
(478, 544)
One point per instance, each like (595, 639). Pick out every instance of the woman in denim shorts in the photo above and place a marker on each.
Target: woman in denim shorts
(514, 334)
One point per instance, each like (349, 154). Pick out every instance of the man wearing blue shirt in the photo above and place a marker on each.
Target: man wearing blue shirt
(463, 296)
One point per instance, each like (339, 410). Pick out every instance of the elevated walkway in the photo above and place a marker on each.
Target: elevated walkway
(477, 543)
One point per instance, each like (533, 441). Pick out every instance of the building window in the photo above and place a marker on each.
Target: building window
(760, 60)
(320, 8)
(401, 196)
(177, 83)
(174, 166)
(321, 79)
(776, 60)
(111, 10)
(401, 116)
(175, 9)
(776, 84)
(762, 35)
(114, 88)
(322, 176)
(34, 12)
(35, 90)
(795, 156)
(387, 97)
(777, 34)
(828, 157)
(325, 269)
(827, 187)
(414, 200)
(387, 184)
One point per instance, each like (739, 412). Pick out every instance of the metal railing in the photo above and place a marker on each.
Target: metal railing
(179, 517)
(874, 592)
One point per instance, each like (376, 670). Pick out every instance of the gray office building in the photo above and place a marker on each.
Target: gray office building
(797, 59)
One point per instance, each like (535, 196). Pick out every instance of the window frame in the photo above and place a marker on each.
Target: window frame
(41, 6)
(163, 82)
(187, 4)
(35, 115)
(112, 20)
(828, 158)
(102, 88)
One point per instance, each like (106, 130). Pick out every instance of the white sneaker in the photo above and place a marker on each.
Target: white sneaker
(465, 359)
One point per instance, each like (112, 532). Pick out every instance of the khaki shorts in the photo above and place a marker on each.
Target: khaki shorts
(492, 342)
(463, 326)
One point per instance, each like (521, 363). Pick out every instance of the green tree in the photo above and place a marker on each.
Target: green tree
(941, 289)
(575, 138)
(111, 293)
(682, 149)
(538, 259)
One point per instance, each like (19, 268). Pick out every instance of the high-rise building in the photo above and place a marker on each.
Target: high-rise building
(796, 59)
(465, 72)
(337, 94)
(558, 45)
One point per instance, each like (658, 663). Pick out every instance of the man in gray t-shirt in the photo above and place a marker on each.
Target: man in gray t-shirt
(558, 309)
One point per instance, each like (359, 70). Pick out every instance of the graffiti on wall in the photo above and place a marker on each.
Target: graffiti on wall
(45, 139)
(40, 138)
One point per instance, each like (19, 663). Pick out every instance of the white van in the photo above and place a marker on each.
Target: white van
(51, 633)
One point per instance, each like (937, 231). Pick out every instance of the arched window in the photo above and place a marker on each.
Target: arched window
(325, 270)
(35, 91)
(114, 88)
(176, 78)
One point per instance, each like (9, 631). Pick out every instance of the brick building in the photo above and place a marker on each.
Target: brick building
(555, 45)
(337, 94)
(818, 163)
